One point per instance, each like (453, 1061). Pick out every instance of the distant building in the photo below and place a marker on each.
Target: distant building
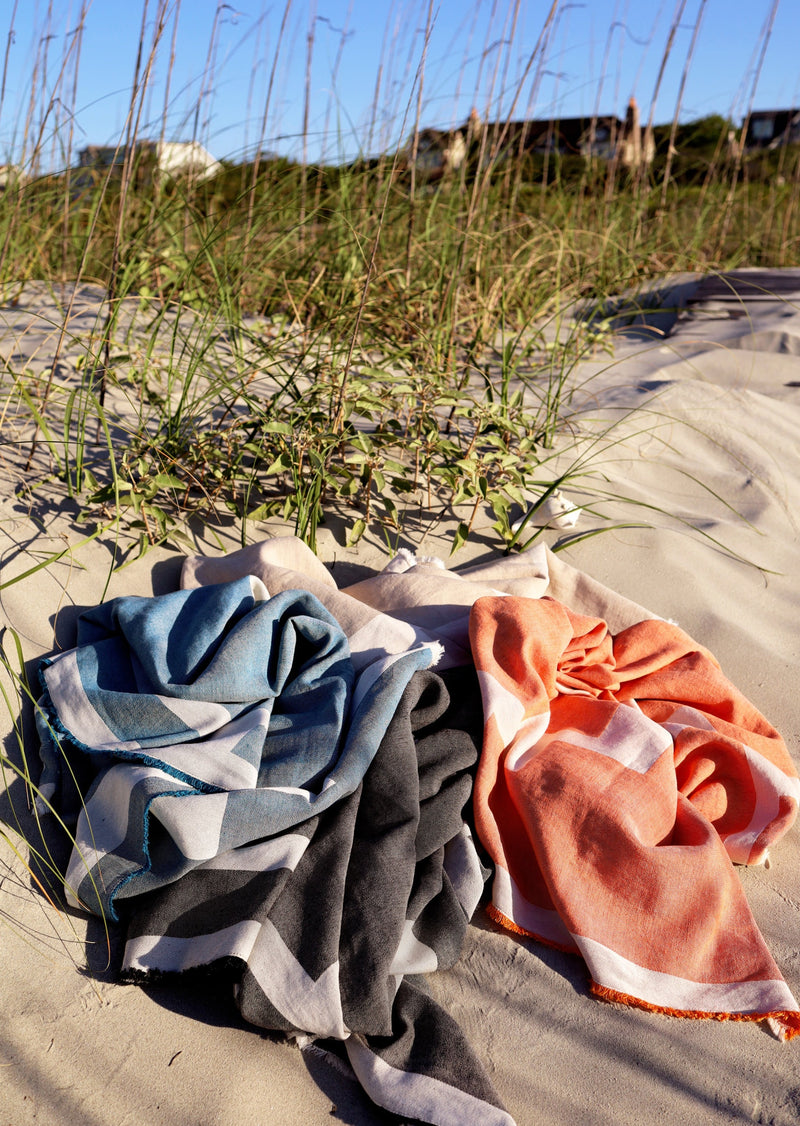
(152, 160)
(437, 152)
(771, 128)
(609, 138)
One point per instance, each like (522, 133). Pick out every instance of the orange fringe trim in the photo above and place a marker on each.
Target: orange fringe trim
(503, 920)
(788, 1022)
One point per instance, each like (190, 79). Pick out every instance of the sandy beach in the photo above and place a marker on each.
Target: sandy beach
(692, 430)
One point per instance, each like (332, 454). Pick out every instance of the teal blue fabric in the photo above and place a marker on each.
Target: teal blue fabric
(265, 716)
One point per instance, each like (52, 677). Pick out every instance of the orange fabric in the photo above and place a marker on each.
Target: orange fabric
(619, 778)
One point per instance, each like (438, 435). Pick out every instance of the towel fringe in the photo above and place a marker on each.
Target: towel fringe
(785, 1024)
(497, 916)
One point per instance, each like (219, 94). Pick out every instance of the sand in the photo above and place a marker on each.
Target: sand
(710, 453)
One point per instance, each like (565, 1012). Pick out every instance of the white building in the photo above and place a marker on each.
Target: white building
(153, 160)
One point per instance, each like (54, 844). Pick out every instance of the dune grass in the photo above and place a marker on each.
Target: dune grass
(325, 353)
(360, 307)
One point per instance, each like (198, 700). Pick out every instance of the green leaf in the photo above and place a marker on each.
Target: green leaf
(281, 464)
(356, 532)
(168, 481)
(391, 511)
(460, 537)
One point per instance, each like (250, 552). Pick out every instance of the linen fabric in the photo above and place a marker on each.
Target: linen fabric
(256, 806)
(270, 782)
(620, 777)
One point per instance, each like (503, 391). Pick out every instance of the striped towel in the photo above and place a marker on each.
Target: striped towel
(620, 778)
(255, 803)
(205, 719)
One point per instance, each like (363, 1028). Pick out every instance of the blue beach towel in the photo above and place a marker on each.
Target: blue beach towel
(247, 799)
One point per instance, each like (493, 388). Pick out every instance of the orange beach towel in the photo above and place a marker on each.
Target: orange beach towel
(620, 777)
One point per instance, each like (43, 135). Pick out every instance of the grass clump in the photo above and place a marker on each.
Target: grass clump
(289, 338)
(292, 368)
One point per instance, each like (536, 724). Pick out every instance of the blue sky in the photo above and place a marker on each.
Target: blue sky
(365, 60)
